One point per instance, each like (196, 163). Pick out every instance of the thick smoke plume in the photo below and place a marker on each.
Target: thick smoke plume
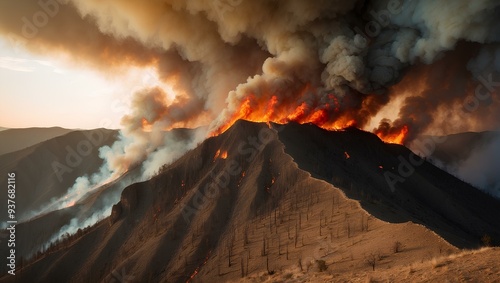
(333, 63)
(340, 58)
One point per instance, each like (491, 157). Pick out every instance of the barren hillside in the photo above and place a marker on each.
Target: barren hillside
(239, 205)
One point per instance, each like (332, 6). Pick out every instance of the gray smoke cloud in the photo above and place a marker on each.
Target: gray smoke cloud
(338, 61)
(217, 54)
(481, 167)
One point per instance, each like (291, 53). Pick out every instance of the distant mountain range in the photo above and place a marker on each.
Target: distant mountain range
(16, 139)
(47, 169)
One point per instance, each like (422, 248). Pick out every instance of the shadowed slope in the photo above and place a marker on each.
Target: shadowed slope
(364, 168)
(48, 169)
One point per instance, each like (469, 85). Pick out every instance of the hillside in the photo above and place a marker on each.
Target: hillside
(420, 192)
(48, 169)
(38, 232)
(16, 139)
(468, 266)
(249, 201)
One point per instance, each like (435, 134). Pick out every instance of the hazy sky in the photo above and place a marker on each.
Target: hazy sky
(39, 91)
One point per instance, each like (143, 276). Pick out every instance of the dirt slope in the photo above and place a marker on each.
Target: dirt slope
(468, 266)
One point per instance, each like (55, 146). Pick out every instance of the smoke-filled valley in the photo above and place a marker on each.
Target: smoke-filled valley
(272, 140)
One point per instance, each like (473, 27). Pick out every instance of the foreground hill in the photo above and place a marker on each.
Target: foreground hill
(242, 203)
(16, 139)
(39, 232)
(468, 266)
(48, 169)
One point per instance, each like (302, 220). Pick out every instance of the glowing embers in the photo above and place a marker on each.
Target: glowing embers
(197, 270)
(241, 178)
(268, 188)
(220, 154)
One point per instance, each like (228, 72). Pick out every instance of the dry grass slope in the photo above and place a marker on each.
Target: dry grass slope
(252, 216)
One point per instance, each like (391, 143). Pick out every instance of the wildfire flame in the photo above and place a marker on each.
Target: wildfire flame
(324, 114)
(254, 109)
(199, 267)
(397, 137)
(220, 154)
(223, 155)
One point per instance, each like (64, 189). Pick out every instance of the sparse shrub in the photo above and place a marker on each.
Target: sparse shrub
(397, 247)
(321, 264)
(371, 260)
(242, 268)
(269, 271)
(439, 262)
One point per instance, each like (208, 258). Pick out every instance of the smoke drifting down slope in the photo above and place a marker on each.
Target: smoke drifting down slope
(332, 63)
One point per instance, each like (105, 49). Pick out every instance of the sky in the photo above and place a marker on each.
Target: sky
(40, 91)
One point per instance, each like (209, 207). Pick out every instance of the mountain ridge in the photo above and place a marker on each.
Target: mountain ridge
(14, 139)
(208, 231)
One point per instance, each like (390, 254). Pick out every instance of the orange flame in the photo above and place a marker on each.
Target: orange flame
(397, 137)
(219, 154)
(223, 155)
(265, 109)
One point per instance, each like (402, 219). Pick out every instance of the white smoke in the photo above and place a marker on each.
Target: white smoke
(74, 225)
(480, 168)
